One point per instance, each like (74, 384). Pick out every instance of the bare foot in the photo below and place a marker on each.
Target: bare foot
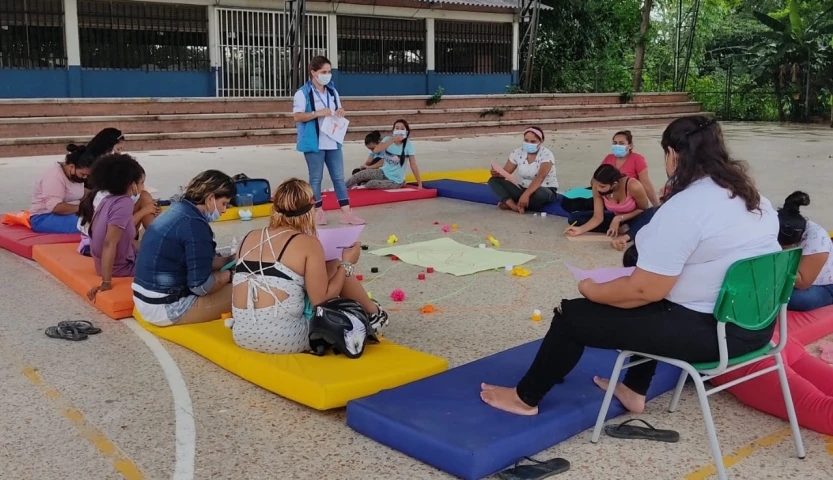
(503, 206)
(506, 399)
(631, 400)
(620, 243)
(512, 205)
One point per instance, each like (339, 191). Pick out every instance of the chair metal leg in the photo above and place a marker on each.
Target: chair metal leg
(707, 418)
(788, 402)
(675, 400)
(614, 379)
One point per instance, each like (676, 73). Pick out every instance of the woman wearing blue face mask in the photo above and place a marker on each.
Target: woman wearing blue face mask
(178, 275)
(533, 168)
(631, 163)
(314, 102)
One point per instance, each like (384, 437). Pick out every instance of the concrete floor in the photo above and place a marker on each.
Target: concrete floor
(104, 408)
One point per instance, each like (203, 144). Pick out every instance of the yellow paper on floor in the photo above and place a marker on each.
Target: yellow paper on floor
(447, 256)
(318, 382)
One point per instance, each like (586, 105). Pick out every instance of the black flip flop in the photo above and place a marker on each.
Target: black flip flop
(65, 332)
(632, 432)
(538, 471)
(83, 326)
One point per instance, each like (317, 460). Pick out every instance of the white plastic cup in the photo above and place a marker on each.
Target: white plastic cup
(509, 268)
(482, 245)
(543, 214)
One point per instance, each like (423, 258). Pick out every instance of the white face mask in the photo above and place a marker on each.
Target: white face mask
(324, 78)
(135, 197)
(401, 133)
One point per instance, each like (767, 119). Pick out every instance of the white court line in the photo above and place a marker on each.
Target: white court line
(186, 430)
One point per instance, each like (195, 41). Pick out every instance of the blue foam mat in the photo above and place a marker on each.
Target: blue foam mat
(479, 193)
(442, 421)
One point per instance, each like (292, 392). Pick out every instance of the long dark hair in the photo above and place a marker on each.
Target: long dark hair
(112, 173)
(403, 156)
(701, 152)
(103, 143)
(792, 223)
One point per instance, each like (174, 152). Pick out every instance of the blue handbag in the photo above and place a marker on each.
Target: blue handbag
(258, 188)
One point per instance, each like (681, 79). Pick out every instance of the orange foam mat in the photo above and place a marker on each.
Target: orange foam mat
(78, 273)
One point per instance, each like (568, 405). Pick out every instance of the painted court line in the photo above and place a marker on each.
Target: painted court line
(186, 431)
(741, 453)
(88, 431)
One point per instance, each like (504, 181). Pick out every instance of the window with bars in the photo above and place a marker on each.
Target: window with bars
(381, 45)
(32, 34)
(146, 36)
(472, 47)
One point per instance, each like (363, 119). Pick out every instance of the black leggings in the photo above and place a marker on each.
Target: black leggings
(662, 328)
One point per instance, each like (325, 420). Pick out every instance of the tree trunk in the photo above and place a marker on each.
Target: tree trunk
(639, 62)
(779, 97)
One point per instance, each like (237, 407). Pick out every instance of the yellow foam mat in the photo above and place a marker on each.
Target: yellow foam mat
(318, 382)
(231, 212)
(474, 176)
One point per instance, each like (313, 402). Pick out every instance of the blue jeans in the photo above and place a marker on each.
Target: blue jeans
(817, 296)
(335, 165)
(54, 223)
(634, 225)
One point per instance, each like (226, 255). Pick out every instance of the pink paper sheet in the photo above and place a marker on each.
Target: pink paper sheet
(503, 173)
(332, 238)
(600, 275)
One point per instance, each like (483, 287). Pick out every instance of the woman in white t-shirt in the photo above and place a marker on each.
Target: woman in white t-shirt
(711, 217)
(533, 167)
(814, 282)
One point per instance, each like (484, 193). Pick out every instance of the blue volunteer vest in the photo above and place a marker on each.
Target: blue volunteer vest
(308, 132)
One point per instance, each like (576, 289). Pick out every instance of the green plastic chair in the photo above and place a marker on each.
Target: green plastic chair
(755, 292)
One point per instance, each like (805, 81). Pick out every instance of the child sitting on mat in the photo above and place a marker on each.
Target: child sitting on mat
(390, 173)
(814, 283)
(371, 141)
(109, 215)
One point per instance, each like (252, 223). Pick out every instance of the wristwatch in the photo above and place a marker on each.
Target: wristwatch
(348, 269)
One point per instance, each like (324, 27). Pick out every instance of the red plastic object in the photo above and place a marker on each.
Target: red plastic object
(365, 198)
(359, 277)
(421, 276)
(394, 258)
(430, 270)
(20, 240)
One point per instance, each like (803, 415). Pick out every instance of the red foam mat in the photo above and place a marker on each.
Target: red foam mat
(20, 240)
(807, 327)
(366, 198)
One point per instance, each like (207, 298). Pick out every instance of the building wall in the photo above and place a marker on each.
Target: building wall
(76, 81)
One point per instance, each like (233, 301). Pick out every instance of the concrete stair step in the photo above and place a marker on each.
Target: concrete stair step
(169, 106)
(27, 146)
(78, 126)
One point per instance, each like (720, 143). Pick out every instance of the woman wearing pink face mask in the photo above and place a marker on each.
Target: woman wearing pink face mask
(631, 163)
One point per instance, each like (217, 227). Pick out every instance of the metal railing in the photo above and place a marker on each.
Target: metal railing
(32, 34)
(381, 45)
(146, 36)
(472, 47)
(254, 54)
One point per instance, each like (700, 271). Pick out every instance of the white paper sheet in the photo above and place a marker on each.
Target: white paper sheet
(335, 128)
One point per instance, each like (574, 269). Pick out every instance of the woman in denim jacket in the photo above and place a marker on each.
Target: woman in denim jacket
(178, 278)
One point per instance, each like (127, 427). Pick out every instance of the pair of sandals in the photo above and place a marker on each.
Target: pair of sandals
(73, 331)
(539, 470)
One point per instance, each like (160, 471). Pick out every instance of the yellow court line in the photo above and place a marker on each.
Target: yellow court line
(88, 431)
(741, 453)
(828, 445)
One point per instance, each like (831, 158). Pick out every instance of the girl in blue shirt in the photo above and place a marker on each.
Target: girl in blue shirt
(390, 174)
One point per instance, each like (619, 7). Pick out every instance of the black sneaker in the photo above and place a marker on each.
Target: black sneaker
(379, 320)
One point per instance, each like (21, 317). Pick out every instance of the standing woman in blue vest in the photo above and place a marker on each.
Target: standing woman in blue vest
(313, 102)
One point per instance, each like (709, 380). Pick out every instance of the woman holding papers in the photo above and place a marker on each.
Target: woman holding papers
(282, 272)
(314, 103)
(534, 166)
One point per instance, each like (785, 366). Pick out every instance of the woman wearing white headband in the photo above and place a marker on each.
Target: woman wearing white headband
(531, 183)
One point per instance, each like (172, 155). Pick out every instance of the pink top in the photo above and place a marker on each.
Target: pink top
(53, 188)
(634, 163)
(625, 206)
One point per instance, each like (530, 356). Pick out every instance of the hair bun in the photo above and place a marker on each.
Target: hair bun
(73, 147)
(796, 200)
